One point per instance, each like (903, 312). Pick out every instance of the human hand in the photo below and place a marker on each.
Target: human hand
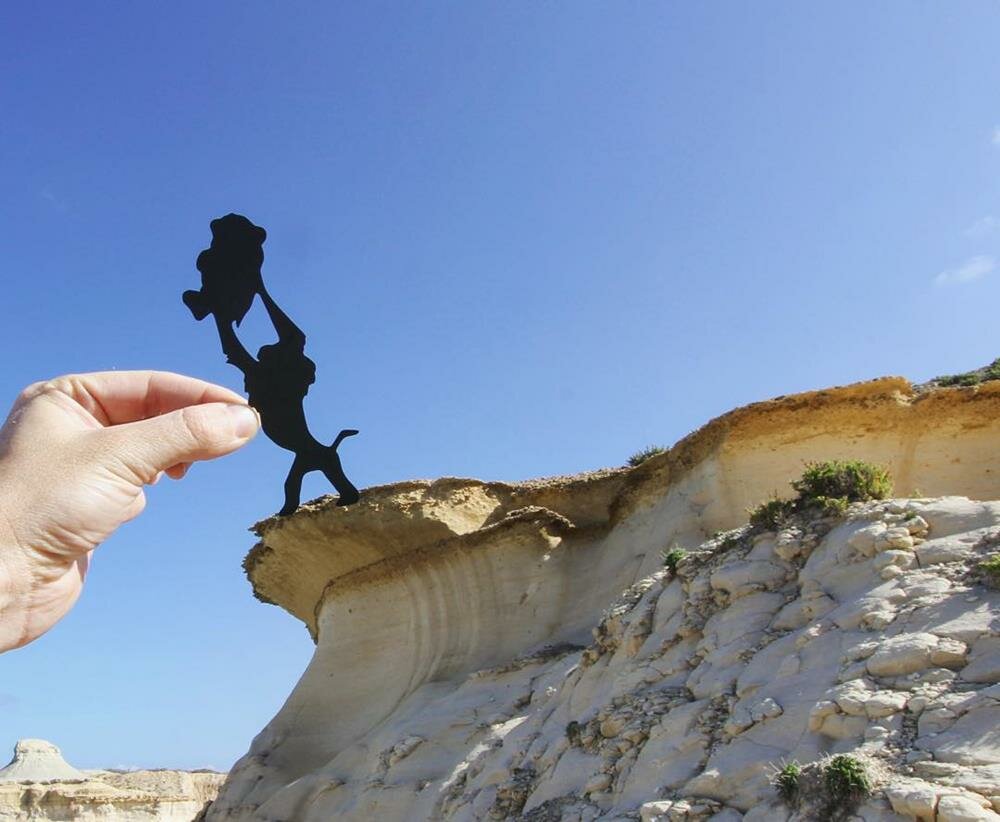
(75, 454)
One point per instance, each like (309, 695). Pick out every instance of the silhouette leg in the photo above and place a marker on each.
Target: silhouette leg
(333, 471)
(293, 488)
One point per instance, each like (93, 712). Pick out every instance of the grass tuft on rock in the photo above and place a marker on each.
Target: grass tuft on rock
(990, 569)
(671, 559)
(573, 733)
(639, 457)
(786, 782)
(771, 515)
(846, 782)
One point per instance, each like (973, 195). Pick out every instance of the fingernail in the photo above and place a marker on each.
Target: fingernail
(245, 420)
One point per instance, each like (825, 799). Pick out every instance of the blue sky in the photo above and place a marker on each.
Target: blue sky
(523, 239)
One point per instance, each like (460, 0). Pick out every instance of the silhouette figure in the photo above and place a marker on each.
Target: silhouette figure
(278, 380)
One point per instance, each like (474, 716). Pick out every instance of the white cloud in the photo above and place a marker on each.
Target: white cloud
(983, 227)
(55, 202)
(996, 135)
(972, 269)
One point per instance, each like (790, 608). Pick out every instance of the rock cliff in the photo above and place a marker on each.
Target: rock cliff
(477, 658)
(39, 784)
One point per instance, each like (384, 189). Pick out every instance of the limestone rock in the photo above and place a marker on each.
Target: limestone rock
(984, 661)
(36, 760)
(956, 808)
(496, 651)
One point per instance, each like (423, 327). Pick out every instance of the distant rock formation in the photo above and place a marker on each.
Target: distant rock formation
(477, 659)
(38, 784)
(36, 760)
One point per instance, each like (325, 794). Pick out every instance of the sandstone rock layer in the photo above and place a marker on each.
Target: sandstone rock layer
(476, 658)
(39, 784)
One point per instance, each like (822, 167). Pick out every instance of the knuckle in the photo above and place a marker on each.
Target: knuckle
(37, 389)
(29, 392)
(64, 384)
(202, 428)
(137, 506)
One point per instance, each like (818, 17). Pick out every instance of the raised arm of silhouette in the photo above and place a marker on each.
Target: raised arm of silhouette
(278, 379)
(235, 353)
(288, 332)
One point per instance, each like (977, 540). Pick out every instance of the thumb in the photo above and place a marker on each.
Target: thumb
(196, 432)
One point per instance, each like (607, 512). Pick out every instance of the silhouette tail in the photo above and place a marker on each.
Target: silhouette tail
(335, 473)
(344, 434)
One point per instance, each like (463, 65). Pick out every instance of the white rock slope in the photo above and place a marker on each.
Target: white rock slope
(870, 636)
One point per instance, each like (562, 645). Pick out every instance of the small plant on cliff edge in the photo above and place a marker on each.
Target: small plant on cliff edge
(672, 557)
(786, 781)
(990, 372)
(964, 380)
(639, 457)
(846, 781)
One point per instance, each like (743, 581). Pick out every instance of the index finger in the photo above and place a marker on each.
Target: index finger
(115, 397)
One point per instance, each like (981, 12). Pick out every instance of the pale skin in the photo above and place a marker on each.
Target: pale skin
(76, 453)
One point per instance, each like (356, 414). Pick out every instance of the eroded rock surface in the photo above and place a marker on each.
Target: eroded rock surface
(35, 760)
(476, 658)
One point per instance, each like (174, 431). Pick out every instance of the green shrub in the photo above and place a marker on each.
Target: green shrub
(990, 372)
(853, 480)
(786, 782)
(846, 781)
(829, 486)
(772, 514)
(639, 457)
(672, 557)
(990, 568)
(965, 380)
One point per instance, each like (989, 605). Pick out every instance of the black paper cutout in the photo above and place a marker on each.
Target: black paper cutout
(278, 380)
